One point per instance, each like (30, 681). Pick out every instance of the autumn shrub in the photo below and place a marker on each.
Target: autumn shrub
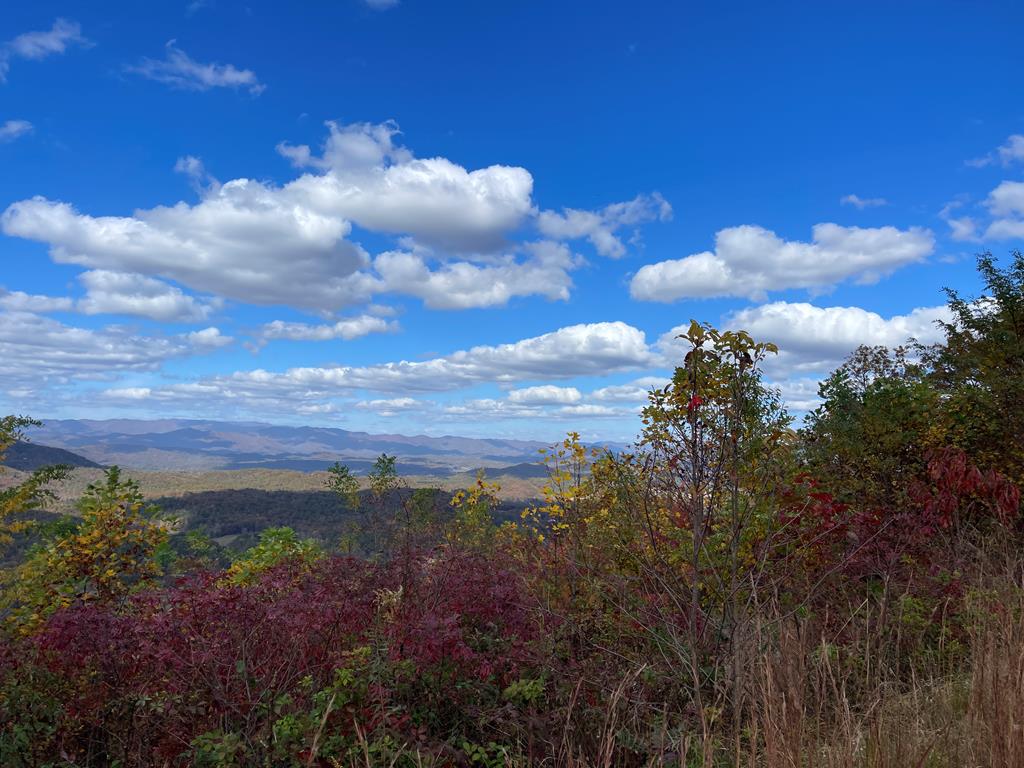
(342, 645)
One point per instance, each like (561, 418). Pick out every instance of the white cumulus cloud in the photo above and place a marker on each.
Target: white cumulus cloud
(368, 179)
(818, 339)
(265, 244)
(749, 261)
(244, 240)
(462, 285)
(633, 392)
(124, 293)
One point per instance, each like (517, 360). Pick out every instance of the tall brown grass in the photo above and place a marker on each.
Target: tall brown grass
(812, 707)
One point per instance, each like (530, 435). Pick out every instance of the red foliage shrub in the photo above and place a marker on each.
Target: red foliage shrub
(206, 656)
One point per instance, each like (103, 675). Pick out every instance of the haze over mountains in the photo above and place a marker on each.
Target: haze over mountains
(179, 444)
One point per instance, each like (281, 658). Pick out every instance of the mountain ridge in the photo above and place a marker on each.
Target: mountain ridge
(30, 456)
(208, 444)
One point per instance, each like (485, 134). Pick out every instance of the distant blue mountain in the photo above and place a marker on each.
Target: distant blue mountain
(193, 445)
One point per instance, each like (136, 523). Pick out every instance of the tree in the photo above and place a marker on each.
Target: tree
(345, 486)
(343, 483)
(30, 493)
(383, 477)
(867, 440)
(473, 526)
(379, 523)
(717, 442)
(103, 557)
(980, 368)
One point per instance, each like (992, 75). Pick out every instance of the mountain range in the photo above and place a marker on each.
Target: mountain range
(180, 444)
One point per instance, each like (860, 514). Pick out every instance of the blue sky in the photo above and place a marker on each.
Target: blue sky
(482, 218)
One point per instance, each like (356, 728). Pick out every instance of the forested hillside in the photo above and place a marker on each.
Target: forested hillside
(738, 589)
(30, 456)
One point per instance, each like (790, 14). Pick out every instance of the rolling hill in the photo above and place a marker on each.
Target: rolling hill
(29, 457)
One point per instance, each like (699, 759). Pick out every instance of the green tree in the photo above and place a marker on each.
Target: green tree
(379, 520)
(979, 370)
(870, 435)
(32, 492)
(384, 477)
(344, 484)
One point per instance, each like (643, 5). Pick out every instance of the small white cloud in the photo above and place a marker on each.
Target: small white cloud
(179, 70)
(489, 409)
(14, 129)
(599, 227)
(1013, 150)
(348, 328)
(193, 168)
(1005, 229)
(1007, 154)
(208, 338)
(547, 394)
(316, 409)
(589, 410)
(128, 393)
(39, 45)
(1007, 199)
(962, 228)
(381, 5)
(1006, 204)
(634, 392)
(393, 406)
(861, 202)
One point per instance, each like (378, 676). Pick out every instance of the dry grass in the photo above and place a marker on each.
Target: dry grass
(806, 717)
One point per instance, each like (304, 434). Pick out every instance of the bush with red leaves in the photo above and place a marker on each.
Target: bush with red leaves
(206, 656)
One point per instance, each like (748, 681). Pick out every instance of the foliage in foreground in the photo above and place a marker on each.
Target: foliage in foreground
(730, 592)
